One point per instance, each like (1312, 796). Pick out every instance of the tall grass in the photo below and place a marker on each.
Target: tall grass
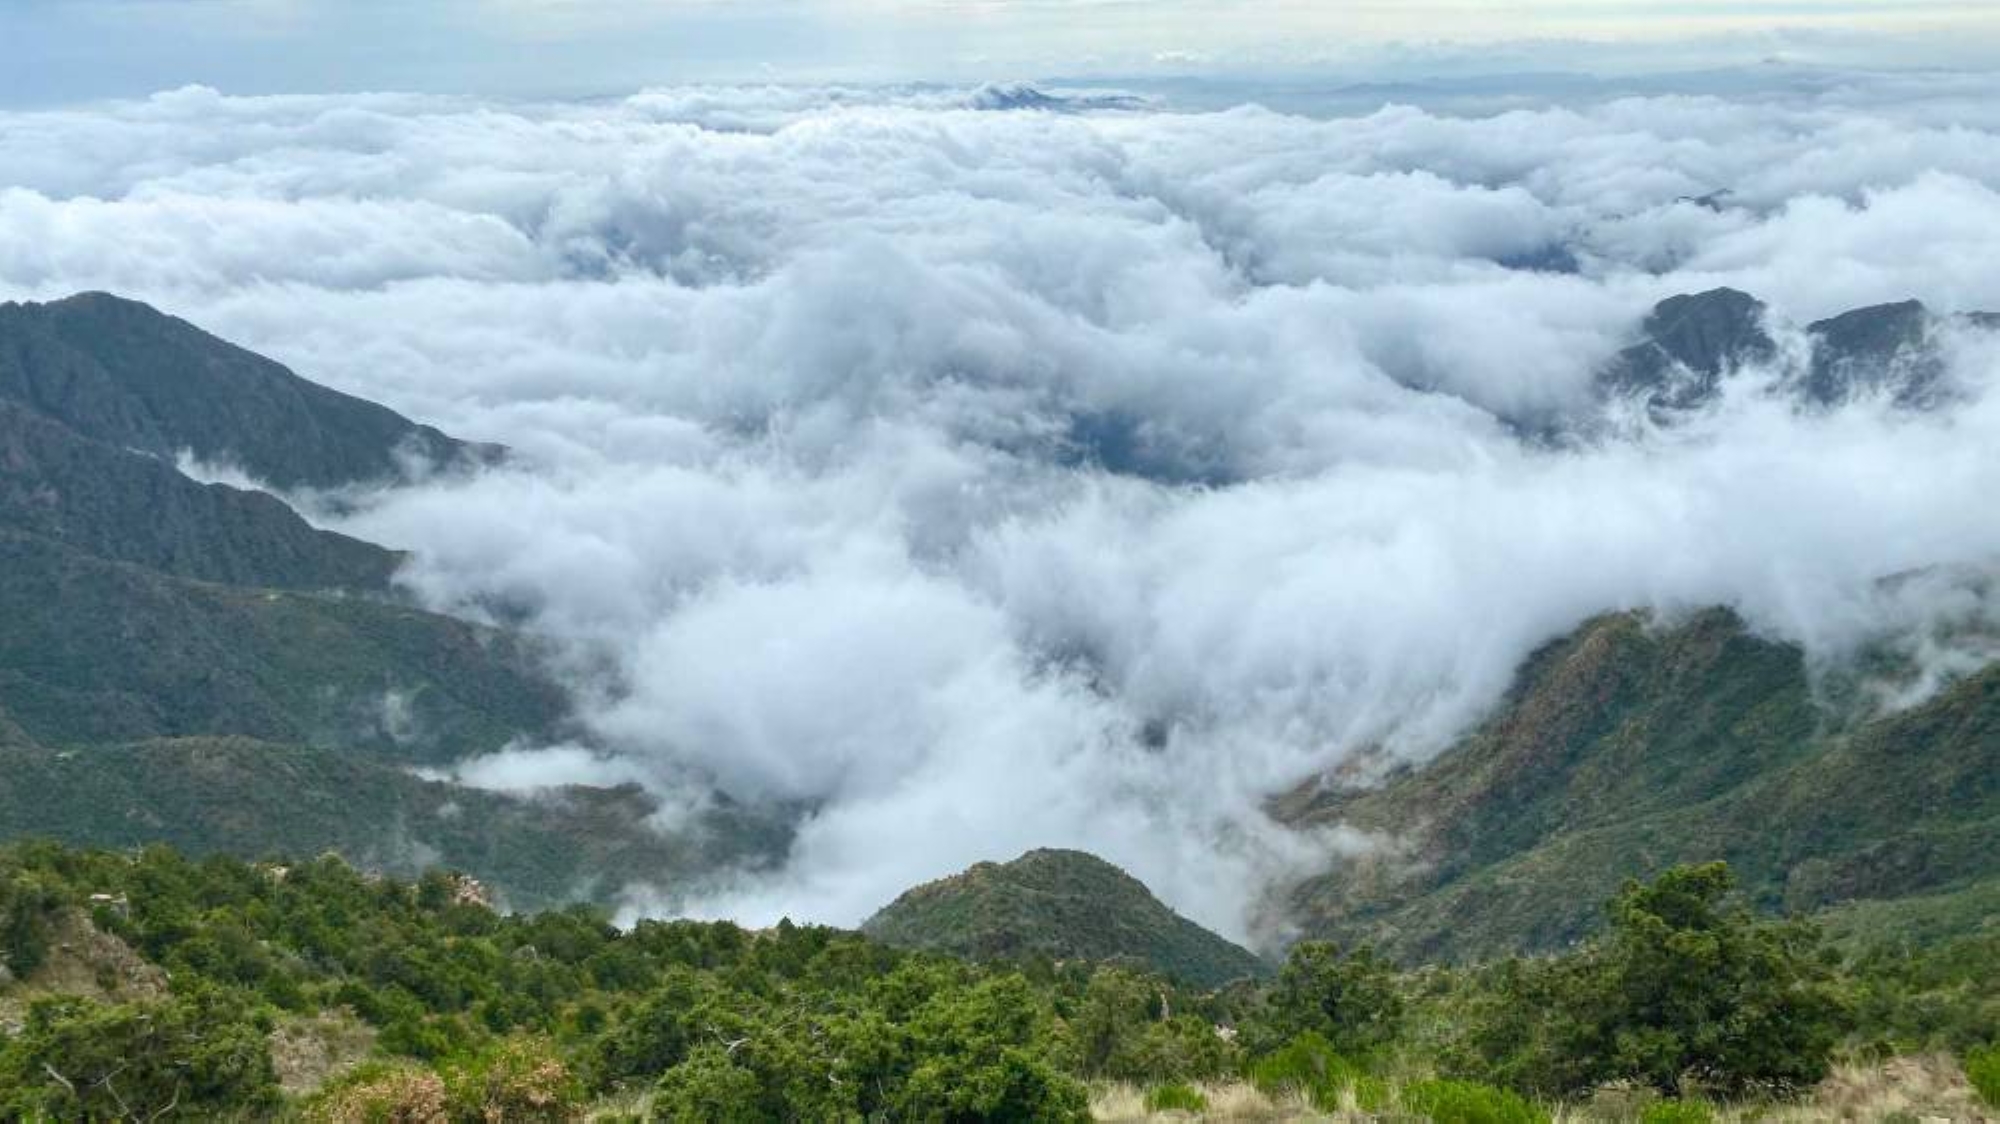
(1929, 1087)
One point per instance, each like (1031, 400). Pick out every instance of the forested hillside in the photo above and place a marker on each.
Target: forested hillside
(1634, 745)
(142, 986)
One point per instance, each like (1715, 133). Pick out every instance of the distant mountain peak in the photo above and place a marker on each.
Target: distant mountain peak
(1881, 347)
(1062, 904)
(1017, 96)
(1690, 344)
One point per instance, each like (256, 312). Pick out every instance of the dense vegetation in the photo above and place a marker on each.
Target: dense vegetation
(463, 1013)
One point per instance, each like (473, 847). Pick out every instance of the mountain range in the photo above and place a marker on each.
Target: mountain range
(197, 664)
(194, 663)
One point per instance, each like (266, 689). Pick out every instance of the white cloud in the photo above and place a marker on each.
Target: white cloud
(983, 480)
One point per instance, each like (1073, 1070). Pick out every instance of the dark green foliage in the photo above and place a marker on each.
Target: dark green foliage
(202, 1052)
(1353, 1001)
(1685, 988)
(1466, 1102)
(1059, 905)
(1982, 1068)
(26, 906)
(1175, 1098)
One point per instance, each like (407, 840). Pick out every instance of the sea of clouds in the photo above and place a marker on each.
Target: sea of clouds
(971, 481)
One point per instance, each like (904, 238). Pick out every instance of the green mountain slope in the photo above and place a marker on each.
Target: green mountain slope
(122, 373)
(97, 651)
(1626, 749)
(131, 507)
(197, 665)
(1065, 905)
(253, 799)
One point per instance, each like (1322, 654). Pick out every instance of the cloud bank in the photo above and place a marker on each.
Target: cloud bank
(977, 480)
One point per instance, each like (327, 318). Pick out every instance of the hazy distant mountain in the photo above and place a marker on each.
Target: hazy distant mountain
(1065, 905)
(1886, 347)
(1690, 345)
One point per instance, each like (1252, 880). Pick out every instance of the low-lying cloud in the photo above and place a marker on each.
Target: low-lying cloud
(980, 480)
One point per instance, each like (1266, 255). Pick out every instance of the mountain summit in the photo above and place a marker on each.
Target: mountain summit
(1066, 905)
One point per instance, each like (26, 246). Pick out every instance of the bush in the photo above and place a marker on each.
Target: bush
(522, 1079)
(1677, 1112)
(25, 908)
(1309, 1064)
(1176, 1098)
(381, 1093)
(1982, 1068)
(709, 1088)
(1466, 1102)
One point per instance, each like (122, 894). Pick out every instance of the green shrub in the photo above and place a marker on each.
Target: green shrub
(1677, 1112)
(1310, 1065)
(380, 1093)
(26, 906)
(1176, 1098)
(1686, 984)
(521, 1079)
(1466, 1102)
(709, 1088)
(1982, 1068)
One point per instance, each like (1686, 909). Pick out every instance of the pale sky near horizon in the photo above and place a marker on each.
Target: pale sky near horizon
(72, 50)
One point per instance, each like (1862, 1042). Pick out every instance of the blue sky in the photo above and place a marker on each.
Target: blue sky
(69, 50)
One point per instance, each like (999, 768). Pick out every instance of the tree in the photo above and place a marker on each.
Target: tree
(199, 1054)
(1686, 988)
(709, 1088)
(1351, 1000)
